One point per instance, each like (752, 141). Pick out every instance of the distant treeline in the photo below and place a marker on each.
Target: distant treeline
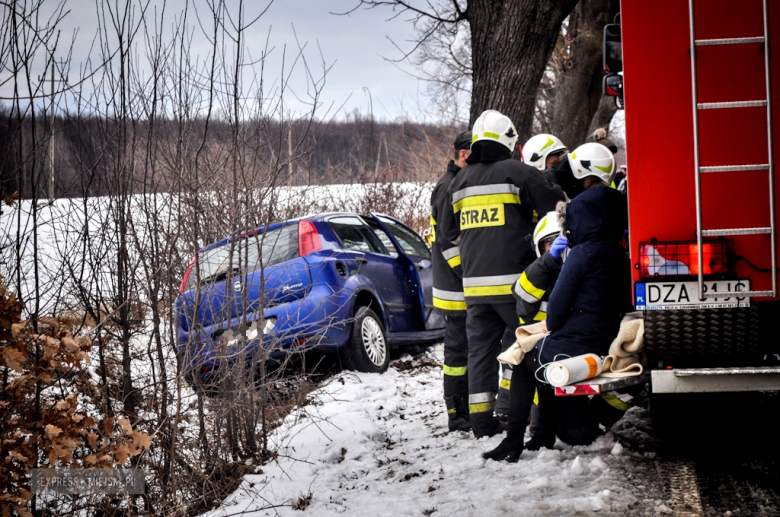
(357, 149)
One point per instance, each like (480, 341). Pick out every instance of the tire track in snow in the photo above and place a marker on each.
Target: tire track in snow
(686, 498)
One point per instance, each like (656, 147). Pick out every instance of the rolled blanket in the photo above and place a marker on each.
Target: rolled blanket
(527, 337)
(625, 357)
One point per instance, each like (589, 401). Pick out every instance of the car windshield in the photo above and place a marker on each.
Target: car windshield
(411, 243)
(248, 254)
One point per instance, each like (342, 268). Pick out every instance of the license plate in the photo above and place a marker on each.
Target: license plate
(658, 296)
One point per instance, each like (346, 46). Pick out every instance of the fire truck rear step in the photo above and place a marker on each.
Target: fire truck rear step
(704, 380)
(687, 372)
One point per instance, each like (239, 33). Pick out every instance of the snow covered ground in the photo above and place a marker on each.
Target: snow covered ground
(377, 445)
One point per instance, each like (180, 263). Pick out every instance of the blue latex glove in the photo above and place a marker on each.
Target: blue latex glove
(559, 244)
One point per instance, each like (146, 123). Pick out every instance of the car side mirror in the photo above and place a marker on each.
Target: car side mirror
(612, 49)
(423, 264)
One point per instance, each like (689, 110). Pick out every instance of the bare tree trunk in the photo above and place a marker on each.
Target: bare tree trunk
(578, 90)
(511, 42)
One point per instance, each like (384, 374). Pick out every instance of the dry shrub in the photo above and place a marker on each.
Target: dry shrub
(40, 429)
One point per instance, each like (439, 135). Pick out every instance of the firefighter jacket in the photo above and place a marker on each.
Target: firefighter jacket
(532, 289)
(493, 203)
(447, 285)
(561, 175)
(591, 295)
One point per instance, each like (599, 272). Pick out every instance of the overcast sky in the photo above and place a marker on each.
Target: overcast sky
(356, 45)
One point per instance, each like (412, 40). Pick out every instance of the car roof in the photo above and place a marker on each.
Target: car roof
(261, 229)
(255, 231)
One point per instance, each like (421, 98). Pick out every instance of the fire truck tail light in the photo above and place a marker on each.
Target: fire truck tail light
(681, 258)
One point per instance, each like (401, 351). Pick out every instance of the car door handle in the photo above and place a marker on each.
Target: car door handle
(362, 261)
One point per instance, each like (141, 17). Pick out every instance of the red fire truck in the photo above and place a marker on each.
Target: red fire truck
(696, 79)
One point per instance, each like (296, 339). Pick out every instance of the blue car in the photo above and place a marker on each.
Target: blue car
(356, 284)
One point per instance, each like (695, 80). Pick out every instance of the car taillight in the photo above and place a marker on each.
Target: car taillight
(187, 274)
(308, 238)
(681, 258)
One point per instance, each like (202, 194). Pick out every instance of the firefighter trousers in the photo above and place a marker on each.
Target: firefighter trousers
(486, 327)
(502, 400)
(456, 355)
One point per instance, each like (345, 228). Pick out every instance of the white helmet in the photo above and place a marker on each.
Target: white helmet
(548, 226)
(592, 159)
(537, 148)
(494, 126)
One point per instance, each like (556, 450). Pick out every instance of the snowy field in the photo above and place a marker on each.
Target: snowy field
(63, 225)
(377, 445)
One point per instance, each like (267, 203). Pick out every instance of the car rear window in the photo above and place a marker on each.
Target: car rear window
(248, 254)
(354, 235)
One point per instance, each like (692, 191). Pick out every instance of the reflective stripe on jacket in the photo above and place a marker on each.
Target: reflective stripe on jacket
(532, 289)
(447, 286)
(493, 205)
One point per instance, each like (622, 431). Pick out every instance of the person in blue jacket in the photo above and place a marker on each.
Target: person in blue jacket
(585, 307)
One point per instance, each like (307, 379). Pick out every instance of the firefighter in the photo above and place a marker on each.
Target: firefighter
(543, 151)
(532, 289)
(594, 164)
(493, 202)
(560, 174)
(572, 175)
(531, 292)
(448, 297)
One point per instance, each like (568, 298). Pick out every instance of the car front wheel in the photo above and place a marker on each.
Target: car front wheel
(366, 350)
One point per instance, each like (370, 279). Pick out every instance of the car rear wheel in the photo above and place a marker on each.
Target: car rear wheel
(366, 350)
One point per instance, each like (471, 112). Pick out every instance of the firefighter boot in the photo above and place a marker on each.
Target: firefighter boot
(576, 424)
(457, 413)
(540, 440)
(486, 425)
(510, 447)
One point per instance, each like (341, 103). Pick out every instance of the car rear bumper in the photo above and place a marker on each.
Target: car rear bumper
(320, 319)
